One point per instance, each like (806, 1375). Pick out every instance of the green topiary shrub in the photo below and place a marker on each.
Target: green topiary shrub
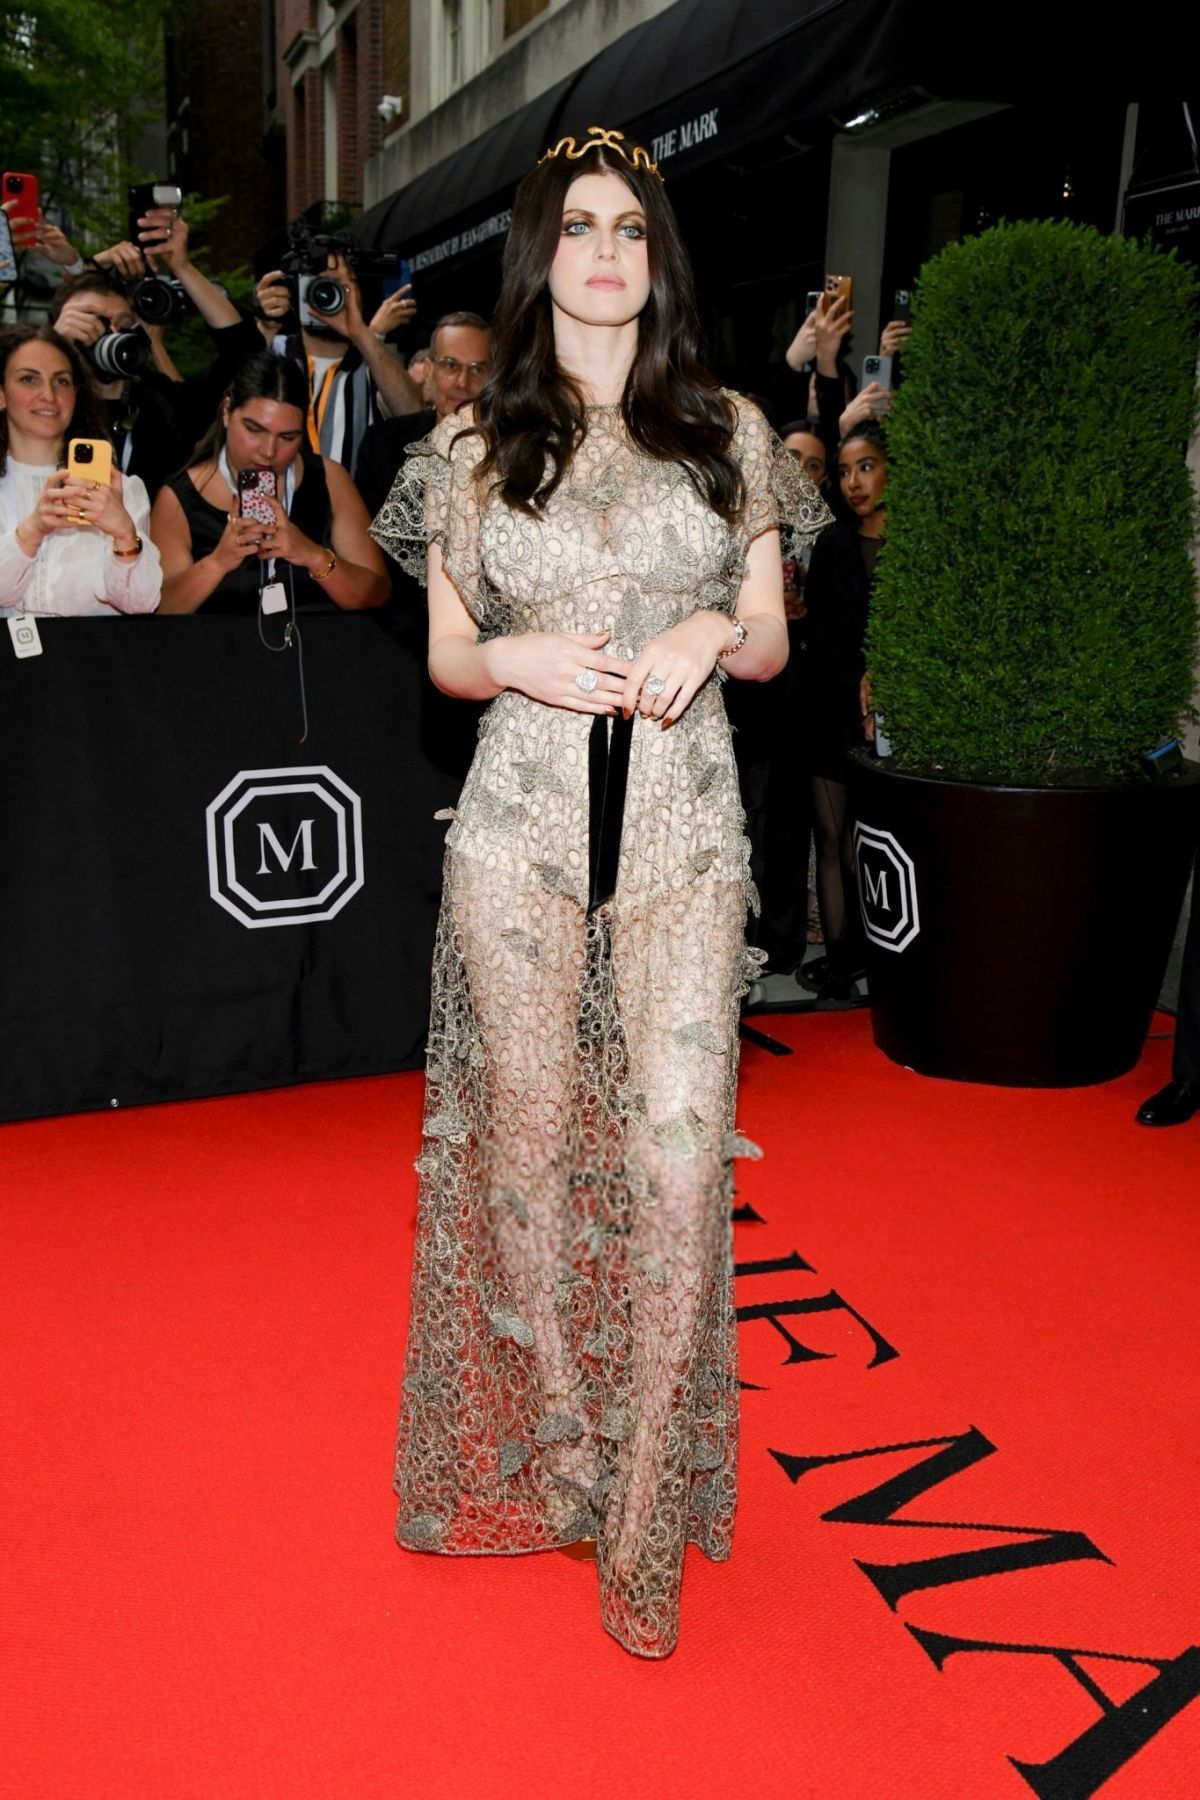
(1034, 616)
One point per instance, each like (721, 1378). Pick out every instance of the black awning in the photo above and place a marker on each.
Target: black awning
(705, 77)
(735, 49)
(700, 80)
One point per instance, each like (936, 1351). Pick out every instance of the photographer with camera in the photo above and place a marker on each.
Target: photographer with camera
(109, 312)
(67, 545)
(353, 377)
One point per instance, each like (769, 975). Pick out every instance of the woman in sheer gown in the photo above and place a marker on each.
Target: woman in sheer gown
(590, 533)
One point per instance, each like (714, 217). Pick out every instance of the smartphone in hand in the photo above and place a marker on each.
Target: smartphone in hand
(392, 284)
(256, 490)
(22, 204)
(841, 287)
(878, 368)
(142, 198)
(90, 459)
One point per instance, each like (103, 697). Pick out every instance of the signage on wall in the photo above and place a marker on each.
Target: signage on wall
(285, 846)
(463, 240)
(685, 136)
(1169, 215)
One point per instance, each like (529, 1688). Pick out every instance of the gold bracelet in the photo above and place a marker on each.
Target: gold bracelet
(134, 549)
(327, 571)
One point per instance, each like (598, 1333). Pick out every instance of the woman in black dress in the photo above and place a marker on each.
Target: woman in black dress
(837, 598)
(318, 546)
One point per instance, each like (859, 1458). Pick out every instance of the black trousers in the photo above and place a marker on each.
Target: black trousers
(1185, 1065)
(775, 774)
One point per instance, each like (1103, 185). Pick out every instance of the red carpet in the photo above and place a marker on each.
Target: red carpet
(204, 1318)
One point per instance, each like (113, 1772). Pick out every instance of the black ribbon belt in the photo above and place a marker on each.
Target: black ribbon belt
(608, 774)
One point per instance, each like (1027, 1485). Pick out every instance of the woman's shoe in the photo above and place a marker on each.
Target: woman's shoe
(812, 974)
(1172, 1105)
(837, 965)
(837, 996)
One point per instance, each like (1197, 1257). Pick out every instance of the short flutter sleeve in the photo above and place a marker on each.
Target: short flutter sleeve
(778, 492)
(436, 498)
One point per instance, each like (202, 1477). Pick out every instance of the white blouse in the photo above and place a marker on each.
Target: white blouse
(74, 571)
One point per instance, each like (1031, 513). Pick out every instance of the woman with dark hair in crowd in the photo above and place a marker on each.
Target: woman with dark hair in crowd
(217, 560)
(771, 745)
(602, 537)
(837, 601)
(802, 437)
(66, 546)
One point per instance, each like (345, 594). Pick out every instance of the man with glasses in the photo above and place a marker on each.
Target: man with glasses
(461, 348)
(461, 351)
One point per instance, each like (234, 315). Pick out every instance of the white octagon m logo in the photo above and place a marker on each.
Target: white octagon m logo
(284, 846)
(887, 888)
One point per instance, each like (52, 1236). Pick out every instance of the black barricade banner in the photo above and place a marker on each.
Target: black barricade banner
(194, 901)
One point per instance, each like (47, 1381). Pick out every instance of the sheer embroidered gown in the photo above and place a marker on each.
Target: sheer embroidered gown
(571, 1368)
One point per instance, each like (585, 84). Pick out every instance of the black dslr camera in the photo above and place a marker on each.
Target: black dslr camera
(305, 263)
(158, 299)
(121, 355)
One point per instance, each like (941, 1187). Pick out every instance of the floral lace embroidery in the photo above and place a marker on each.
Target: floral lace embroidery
(572, 1361)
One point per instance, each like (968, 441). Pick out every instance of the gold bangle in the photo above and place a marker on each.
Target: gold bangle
(134, 549)
(327, 571)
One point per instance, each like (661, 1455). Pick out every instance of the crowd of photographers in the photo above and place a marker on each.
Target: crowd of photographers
(128, 487)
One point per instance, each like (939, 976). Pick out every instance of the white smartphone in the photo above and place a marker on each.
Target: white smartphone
(878, 368)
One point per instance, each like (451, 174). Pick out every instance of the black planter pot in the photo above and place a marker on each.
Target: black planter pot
(1018, 935)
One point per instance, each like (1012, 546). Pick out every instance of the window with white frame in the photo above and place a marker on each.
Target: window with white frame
(462, 31)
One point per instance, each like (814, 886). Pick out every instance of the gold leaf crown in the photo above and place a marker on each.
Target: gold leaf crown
(599, 138)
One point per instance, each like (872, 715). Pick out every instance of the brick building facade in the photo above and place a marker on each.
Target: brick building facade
(292, 106)
(338, 64)
(221, 137)
(330, 79)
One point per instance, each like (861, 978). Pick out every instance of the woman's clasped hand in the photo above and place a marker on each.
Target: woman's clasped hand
(673, 667)
(556, 667)
(573, 669)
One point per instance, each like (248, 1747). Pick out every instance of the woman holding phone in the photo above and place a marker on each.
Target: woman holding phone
(257, 508)
(68, 546)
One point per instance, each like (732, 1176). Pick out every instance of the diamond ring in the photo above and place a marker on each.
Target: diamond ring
(587, 681)
(655, 684)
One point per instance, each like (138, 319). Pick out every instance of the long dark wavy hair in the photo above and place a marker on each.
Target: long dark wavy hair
(88, 419)
(531, 413)
(263, 376)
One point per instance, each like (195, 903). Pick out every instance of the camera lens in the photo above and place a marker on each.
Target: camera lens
(119, 354)
(325, 295)
(152, 300)
(83, 453)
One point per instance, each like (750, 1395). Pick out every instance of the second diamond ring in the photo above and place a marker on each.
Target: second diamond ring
(655, 684)
(587, 681)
